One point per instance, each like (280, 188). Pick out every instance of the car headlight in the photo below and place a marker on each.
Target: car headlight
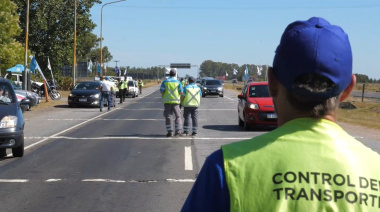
(205, 88)
(71, 95)
(254, 106)
(8, 122)
(95, 95)
(220, 89)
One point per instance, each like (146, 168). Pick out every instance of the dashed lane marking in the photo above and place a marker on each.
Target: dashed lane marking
(96, 181)
(188, 158)
(136, 138)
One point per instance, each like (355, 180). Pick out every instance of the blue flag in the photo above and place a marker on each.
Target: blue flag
(33, 65)
(246, 71)
(116, 70)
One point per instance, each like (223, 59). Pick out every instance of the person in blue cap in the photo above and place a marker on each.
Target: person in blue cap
(106, 87)
(309, 163)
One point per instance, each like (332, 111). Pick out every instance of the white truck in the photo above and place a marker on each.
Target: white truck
(167, 73)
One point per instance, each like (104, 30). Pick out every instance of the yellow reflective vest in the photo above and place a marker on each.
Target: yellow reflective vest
(171, 94)
(305, 165)
(192, 96)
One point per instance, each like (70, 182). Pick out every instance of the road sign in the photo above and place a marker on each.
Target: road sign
(180, 65)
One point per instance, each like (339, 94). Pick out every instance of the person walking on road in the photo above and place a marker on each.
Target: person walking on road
(106, 88)
(122, 89)
(140, 84)
(309, 163)
(171, 90)
(190, 100)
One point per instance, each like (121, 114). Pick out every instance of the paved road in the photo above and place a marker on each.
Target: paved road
(78, 159)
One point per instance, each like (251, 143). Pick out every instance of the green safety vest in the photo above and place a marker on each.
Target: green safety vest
(122, 85)
(305, 165)
(140, 83)
(171, 94)
(192, 97)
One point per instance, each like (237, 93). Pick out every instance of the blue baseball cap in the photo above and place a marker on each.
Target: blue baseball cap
(107, 78)
(314, 46)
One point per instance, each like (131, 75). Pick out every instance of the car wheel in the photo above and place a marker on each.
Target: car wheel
(18, 151)
(28, 107)
(241, 122)
(221, 95)
(134, 95)
(245, 125)
(3, 152)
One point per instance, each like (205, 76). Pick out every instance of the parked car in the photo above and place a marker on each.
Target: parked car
(85, 94)
(255, 106)
(33, 97)
(133, 89)
(212, 87)
(11, 121)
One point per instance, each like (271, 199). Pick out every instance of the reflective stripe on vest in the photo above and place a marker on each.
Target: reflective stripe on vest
(304, 165)
(192, 98)
(171, 94)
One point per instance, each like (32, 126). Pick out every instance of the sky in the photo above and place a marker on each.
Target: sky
(146, 33)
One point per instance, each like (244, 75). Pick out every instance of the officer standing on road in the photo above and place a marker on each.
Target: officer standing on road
(122, 87)
(191, 99)
(106, 88)
(171, 90)
(140, 84)
(309, 163)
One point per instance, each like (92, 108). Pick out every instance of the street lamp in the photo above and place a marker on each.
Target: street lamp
(101, 30)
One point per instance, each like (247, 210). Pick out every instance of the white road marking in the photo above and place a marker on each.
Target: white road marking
(13, 181)
(107, 119)
(135, 138)
(104, 180)
(98, 180)
(188, 158)
(53, 180)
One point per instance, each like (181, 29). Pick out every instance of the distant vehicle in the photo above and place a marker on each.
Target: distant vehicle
(11, 121)
(85, 94)
(33, 97)
(133, 89)
(212, 87)
(255, 106)
(167, 73)
(16, 78)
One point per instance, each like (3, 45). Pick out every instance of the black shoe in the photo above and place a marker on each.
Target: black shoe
(194, 134)
(169, 134)
(101, 110)
(108, 109)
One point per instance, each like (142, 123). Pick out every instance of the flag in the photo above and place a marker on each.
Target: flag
(89, 66)
(49, 66)
(235, 71)
(246, 71)
(259, 70)
(125, 71)
(226, 74)
(33, 65)
(98, 68)
(116, 70)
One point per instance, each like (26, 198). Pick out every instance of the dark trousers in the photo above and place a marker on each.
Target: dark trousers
(193, 113)
(122, 95)
(105, 95)
(140, 88)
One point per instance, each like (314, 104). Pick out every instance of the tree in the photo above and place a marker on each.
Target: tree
(11, 51)
(51, 30)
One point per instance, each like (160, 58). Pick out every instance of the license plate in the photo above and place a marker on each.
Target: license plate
(83, 99)
(272, 116)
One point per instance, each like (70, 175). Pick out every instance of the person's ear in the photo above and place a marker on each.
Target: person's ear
(346, 93)
(273, 83)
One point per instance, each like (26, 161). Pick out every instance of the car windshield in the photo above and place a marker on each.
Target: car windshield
(6, 93)
(87, 86)
(213, 82)
(130, 83)
(258, 91)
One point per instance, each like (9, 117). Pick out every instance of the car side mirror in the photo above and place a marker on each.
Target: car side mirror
(241, 96)
(24, 104)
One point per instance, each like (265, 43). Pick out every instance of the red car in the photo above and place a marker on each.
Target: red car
(255, 107)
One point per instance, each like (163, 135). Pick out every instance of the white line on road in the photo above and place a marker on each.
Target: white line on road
(188, 158)
(53, 180)
(13, 181)
(104, 180)
(135, 138)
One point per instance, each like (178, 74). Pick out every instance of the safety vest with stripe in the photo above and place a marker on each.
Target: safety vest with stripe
(122, 85)
(192, 97)
(171, 94)
(305, 165)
